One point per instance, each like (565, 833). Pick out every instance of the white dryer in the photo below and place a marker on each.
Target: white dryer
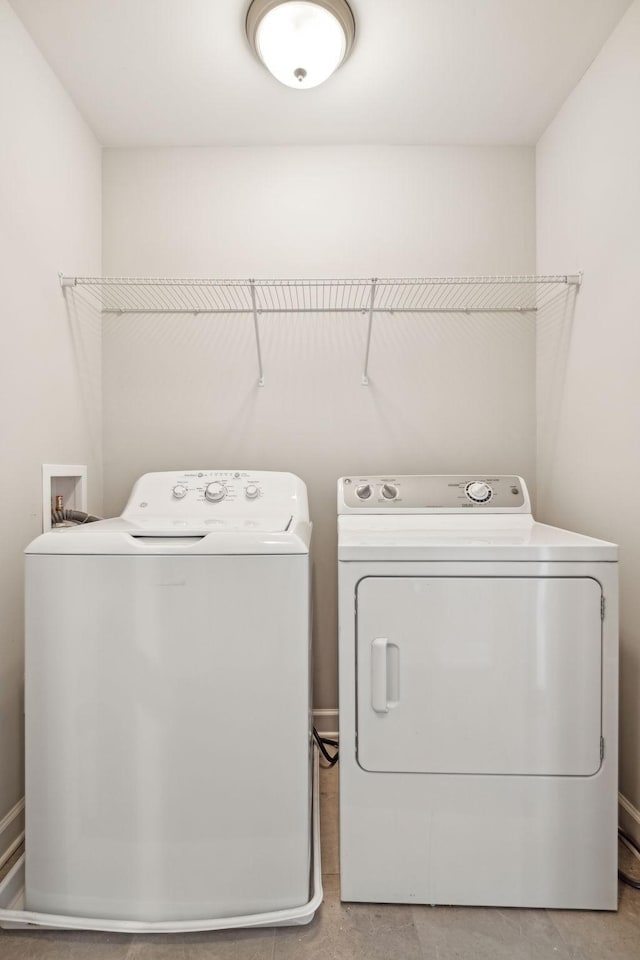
(168, 757)
(478, 698)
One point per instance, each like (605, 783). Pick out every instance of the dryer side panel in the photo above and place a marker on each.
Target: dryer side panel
(479, 675)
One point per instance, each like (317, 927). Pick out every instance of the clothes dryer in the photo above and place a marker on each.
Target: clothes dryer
(168, 753)
(478, 698)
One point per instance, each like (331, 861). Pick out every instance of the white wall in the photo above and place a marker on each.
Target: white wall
(588, 217)
(50, 365)
(447, 393)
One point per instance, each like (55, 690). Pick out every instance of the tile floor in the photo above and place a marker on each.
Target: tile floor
(370, 931)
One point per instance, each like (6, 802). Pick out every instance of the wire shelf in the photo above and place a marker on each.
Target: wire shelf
(510, 294)
(372, 296)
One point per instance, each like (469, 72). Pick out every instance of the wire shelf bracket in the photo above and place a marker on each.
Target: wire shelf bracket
(524, 294)
(365, 372)
(257, 332)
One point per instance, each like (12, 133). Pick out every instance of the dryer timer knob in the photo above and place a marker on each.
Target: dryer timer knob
(478, 491)
(364, 491)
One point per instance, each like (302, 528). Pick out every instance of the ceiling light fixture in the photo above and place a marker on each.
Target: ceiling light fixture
(301, 42)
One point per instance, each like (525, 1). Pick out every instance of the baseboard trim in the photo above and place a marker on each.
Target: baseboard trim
(11, 832)
(326, 722)
(629, 818)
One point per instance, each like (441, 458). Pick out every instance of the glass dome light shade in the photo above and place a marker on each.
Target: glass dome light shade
(299, 41)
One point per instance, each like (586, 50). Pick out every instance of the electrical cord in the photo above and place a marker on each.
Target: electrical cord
(630, 842)
(323, 743)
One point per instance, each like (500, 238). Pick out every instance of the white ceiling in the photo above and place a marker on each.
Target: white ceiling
(180, 72)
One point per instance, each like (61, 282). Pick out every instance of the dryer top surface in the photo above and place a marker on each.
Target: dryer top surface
(438, 537)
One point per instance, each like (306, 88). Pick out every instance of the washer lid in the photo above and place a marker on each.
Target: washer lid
(197, 512)
(438, 537)
(152, 536)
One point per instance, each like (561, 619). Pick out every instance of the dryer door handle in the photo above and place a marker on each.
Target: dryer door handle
(385, 675)
(379, 675)
(379, 700)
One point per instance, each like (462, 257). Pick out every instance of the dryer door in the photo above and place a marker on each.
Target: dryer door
(479, 675)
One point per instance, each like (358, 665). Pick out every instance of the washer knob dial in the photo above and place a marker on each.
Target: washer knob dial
(252, 491)
(215, 492)
(179, 491)
(389, 491)
(478, 491)
(364, 491)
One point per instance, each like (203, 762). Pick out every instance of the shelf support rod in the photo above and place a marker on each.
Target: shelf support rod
(365, 372)
(252, 284)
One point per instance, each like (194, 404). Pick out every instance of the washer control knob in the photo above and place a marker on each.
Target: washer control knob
(179, 491)
(364, 491)
(251, 491)
(215, 492)
(389, 491)
(478, 491)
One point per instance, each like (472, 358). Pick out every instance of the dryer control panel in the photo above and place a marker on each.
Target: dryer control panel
(433, 494)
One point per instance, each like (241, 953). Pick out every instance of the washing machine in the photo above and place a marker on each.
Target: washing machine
(478, 698)
(168, 731)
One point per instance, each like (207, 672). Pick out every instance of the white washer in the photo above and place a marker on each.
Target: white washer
(478, 698)
(168, 763)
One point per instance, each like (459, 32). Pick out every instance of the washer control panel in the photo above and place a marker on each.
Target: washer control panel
(208, 494)
(214, 486)
(439, 493)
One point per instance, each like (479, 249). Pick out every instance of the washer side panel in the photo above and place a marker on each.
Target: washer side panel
(155, 688)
